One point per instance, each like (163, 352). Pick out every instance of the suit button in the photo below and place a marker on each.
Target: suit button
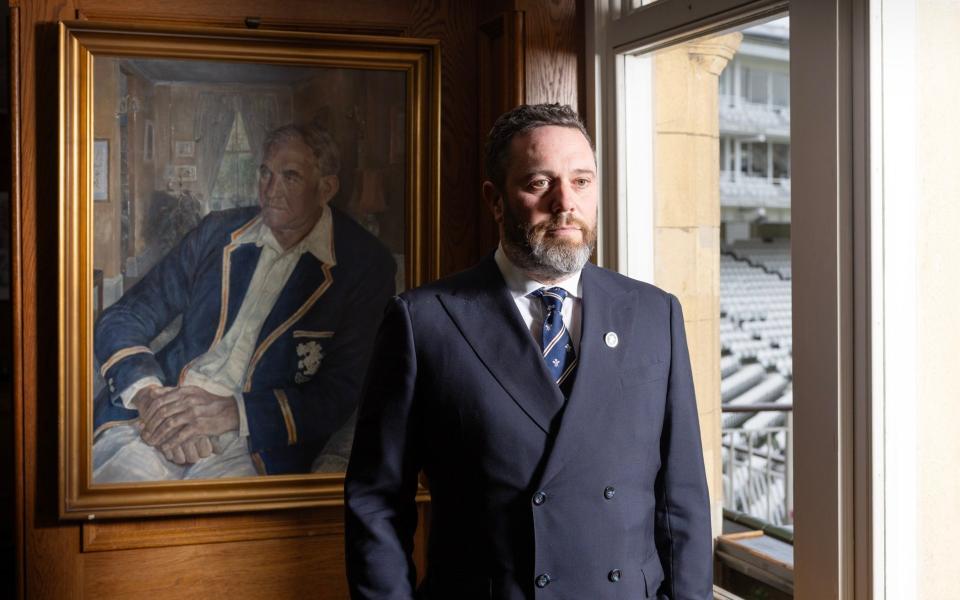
(609, 491)
(543, 580)
(614, 575)
(539, 498)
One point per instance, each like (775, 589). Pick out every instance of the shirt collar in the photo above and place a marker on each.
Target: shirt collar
(319, 242)
(520, 285)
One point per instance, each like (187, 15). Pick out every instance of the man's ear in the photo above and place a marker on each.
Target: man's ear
(494, 200)
(328, 187)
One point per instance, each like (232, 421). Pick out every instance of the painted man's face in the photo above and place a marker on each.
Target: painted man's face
(292, 191)
(548, 208)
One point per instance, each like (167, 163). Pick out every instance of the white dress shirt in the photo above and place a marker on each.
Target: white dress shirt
(223, 369)
(531, 307)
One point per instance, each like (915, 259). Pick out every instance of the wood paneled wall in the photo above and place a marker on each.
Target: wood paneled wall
(289, 554)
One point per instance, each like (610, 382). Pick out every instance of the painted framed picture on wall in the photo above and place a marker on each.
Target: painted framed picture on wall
(184, 149)
(269, 192)
(101, 170)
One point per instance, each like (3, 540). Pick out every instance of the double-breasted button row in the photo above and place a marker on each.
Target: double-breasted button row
(543, 580)
(541, 497)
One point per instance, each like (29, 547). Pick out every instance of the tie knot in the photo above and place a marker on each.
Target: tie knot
(552, 298)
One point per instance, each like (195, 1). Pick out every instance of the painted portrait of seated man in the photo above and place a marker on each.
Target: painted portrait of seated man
(279, 304)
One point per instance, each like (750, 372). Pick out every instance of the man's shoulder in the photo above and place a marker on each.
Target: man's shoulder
(354, 244)
(228, 220)
(619, 282)
(483, 276)
(645, 298)
(219, 227)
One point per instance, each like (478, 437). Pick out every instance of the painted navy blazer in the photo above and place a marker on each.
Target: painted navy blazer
(605, 498)
(292, 405)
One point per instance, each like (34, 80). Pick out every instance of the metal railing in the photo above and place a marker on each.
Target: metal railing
(758, 466)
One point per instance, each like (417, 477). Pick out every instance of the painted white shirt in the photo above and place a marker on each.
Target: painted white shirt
(223, 369)
(531, 307)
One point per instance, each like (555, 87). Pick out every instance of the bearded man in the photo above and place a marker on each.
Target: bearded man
(549, 403)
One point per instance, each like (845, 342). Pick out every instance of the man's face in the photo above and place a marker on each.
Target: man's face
(292, 191)
(547, 211)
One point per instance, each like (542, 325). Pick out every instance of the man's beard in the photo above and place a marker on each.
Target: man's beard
(543, 256)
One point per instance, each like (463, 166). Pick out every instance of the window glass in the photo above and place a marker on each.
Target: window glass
(753, 159)
(755, 82)
(781, 89)
(750, 379)
(781, 161)
(236, 179)
(726, 87)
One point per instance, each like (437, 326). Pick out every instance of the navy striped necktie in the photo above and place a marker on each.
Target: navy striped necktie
(555, 342)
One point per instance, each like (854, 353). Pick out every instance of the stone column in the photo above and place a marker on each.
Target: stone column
(687, 218)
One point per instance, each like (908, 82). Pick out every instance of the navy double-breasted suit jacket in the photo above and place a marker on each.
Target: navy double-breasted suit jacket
(293, 404)
(600, 497)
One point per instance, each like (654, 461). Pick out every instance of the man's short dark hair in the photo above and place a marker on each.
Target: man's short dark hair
(316, 138)
(521, 120)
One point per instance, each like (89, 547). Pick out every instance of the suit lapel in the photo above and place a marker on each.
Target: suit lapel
(300, 290)
(309, 281)
(240, 262)
(597, 370)
(488, 319)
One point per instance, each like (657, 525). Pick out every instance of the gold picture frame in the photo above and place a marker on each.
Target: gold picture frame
(116, 79)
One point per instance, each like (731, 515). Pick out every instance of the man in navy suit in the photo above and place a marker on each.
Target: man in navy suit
(279, 306)
(548, 402)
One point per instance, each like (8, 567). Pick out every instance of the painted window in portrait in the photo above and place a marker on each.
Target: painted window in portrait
(259, 212)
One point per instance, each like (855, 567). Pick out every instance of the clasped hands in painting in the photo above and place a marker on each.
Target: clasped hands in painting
(182, 422)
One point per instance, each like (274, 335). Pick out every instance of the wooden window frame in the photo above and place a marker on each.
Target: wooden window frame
(830, 175)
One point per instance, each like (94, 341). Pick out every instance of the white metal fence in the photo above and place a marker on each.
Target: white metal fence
(758, 467)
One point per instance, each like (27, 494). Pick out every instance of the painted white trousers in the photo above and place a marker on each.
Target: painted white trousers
(119, 454)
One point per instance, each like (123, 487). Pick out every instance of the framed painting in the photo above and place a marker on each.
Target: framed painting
(237, 206)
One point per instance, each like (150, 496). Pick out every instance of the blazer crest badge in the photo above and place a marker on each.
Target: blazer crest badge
(311, 355)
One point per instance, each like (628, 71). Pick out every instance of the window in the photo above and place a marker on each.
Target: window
(766, 160)
(754, 83)
(727, 159)
(236, 180)
(781, 162)
(781, 89)
(752, 260)
(640, 228)
(753, 159)
(727, 95)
